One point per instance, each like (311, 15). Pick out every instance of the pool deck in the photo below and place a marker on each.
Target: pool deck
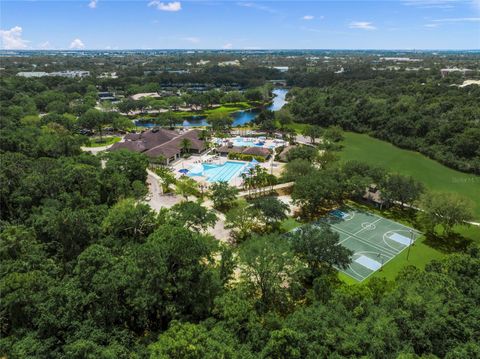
(250, 142)
(219, 160)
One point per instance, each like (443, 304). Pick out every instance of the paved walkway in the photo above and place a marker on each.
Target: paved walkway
(267, 189)
(157, 200)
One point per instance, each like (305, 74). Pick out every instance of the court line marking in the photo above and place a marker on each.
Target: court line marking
(350, 234)
(365, 241)
(384, 251)
(396, 223)
(385, 263)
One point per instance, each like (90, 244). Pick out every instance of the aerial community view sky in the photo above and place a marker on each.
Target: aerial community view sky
(155, 24)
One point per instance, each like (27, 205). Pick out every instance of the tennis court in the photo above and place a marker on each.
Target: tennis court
(374, 240)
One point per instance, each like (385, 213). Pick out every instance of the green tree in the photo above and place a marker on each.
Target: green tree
(284, 118)
(272, 210)
(93, 119)
(242, 221)
(319, 190)
(313, 132)
(402, 189)
(131, 164)
(302, 152)
(446, 210)
(167, 178)
(333, 134)
(193, 341)
(269, 267)
(186, 144)
(223, 195)
(284, 344)
(129, 220)
(297, 168)
(186, 186)
(193, 215)
(319, 248)
(220, 121)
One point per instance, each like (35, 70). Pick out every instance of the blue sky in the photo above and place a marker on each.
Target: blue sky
(156, 24)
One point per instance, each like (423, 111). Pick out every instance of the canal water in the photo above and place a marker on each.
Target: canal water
(239, 118)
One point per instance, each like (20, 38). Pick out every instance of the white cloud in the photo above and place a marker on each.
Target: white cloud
(192, 39)
(459, 19)
(92, 4)
(363, 25)
(431, 25)
(77, 44)
(257, 6)
(308, 17)
(227, 46)
(12, 39)
(170, 6)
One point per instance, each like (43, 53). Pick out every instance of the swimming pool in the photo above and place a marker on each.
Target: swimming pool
(218, 173)
(250, 142)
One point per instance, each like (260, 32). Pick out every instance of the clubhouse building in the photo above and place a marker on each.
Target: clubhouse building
(161, 143)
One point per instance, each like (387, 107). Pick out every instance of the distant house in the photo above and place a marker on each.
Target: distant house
(161, 143)
(254, 151)
(106, 96)
(373, 195)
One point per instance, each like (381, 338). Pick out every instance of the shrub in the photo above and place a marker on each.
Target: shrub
(244, 157)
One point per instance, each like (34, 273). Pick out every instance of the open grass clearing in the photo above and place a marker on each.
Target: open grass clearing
(432, 174)
(104, 141)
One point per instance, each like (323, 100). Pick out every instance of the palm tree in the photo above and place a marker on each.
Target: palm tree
(185, 144)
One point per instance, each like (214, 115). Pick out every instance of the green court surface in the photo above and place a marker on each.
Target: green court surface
(373, 239)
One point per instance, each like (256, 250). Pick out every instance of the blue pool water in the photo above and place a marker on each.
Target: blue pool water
(241, 142)
(218, 173)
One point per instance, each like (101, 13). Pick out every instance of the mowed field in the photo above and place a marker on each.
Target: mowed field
(434, 175)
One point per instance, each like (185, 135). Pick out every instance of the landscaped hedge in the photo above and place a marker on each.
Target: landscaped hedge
(244, 157)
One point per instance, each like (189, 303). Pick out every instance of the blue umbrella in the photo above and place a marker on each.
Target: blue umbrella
(183, 170)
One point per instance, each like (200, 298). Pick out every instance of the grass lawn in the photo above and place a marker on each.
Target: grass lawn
(423, 252)
(228, 108)
(105, 141)
(289, 224)
(298, 127)
(434, 175)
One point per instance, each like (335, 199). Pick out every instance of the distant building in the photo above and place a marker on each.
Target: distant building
(106, 96)
(445, 72)
(161, 143)
(32, 74)
(229, 63)
(69, 74)
(108, 75)
(281, 68)
(400, 59)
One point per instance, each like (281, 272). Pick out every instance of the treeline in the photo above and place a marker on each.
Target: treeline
(438, 120)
